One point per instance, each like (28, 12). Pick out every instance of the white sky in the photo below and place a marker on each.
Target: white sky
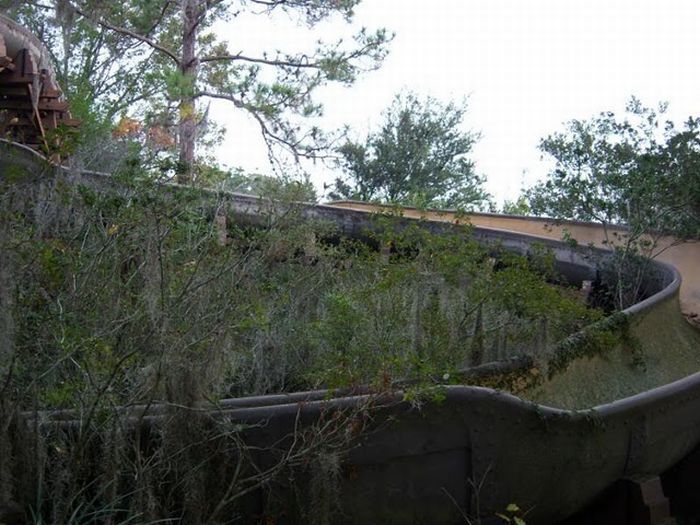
(527, 66)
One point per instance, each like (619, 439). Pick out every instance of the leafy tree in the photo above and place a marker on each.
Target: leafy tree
(637, 171)
(680, 162)
(174, 40)
(418, 157)
(283, 188)
(519, 206)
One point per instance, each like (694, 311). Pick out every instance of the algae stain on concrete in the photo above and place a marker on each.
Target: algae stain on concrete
(659, 348)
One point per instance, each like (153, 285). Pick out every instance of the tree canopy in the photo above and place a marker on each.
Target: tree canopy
(419, 156)
(637, 170)
(166, 54)
(280, 188)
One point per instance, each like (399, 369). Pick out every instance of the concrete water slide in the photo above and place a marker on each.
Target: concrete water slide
(551, 450)
(32, 106)
(554, 460)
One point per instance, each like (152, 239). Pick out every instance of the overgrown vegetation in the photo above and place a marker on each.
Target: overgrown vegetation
(138, 294)
(126, 281)
(130, 309)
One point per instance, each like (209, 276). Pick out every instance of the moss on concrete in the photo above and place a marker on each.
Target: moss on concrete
(648, 350)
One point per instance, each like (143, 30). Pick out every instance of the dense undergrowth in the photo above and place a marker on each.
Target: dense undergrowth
(138, 294)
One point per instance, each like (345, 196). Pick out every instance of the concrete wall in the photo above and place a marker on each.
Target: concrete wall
(546, 460)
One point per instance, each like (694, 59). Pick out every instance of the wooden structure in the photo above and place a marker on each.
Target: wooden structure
(32, 107)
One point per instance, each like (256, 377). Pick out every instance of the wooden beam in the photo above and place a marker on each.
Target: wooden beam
(6, 63)
(21, 92)
(37, 117)
(3, 52)
(51, 121)
(24, 72)
(44, 105)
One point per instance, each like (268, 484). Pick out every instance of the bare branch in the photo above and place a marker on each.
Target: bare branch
(301, 62)
(268, 135)
(160, 18)
(268, 62)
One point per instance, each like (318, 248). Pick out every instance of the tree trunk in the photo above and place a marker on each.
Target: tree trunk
(188, 114)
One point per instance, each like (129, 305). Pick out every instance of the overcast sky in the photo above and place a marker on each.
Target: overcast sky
(526, 66)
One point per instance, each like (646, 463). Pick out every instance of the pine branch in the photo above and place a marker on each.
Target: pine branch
(265, 61)
(268, 135)
(127, 32)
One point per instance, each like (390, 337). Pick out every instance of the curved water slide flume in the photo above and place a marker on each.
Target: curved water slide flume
(684, 256)
(552, 460)
(417, 466)
(32, 106)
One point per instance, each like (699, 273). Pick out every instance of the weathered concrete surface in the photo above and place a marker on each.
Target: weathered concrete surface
(661, 347)
(685, 256)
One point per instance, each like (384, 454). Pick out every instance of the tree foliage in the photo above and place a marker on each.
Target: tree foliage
(636, 170)
(418, 157)
(166, 53)
(519, 206)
